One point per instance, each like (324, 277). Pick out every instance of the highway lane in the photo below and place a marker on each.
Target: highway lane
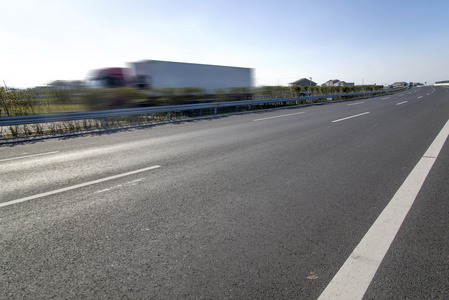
(416, 266)
(118, 148)
(100, 158)
(242, 206)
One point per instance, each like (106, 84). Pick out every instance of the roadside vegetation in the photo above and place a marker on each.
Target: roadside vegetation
(38, 101)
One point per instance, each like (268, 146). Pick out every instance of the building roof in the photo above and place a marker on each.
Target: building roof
(58, 83)
(302, 79)
(66, 83)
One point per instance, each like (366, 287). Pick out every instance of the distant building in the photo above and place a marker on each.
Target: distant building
(67, 84)
(332, 82)
(337, 82)
(303, 82)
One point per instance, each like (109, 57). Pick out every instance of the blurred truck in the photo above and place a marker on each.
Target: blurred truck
(162, 74)
(110, 78)
(167, 74)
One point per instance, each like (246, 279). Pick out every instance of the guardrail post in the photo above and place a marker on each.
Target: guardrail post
(168, 116)
(215, 110)
(103, 123)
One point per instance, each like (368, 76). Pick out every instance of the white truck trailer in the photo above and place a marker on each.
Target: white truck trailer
(163, 74)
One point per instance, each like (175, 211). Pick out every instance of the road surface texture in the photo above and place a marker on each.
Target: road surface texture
(274, 204)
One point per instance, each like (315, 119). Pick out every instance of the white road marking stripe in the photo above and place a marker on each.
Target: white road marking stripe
(356, 274)
(401, 102)
(279, 116)
(351, 117)
(130, 183)
(419, 97)
(76, 186)
(137, 180)
(355, 103)
(28, 156)
(384, 98)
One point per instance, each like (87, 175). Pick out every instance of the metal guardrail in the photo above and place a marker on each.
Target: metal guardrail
(34, 119)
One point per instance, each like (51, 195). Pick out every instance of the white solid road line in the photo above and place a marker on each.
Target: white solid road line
(356, 274)
(350, 117)
(76, 186)
(384, 98)
(298, 113)
(28, 156)
(420, 97)
(401, 102)
(355, 103)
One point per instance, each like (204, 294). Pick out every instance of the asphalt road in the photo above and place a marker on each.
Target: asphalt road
(262, 205)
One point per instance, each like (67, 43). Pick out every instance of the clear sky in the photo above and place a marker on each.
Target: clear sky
(361, 41)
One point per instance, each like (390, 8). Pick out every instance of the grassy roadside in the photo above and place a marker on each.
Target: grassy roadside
(18, 102)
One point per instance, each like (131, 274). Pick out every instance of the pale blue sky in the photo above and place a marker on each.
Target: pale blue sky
(352, 40)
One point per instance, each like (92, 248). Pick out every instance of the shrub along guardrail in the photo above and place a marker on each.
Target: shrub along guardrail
(104, 114)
